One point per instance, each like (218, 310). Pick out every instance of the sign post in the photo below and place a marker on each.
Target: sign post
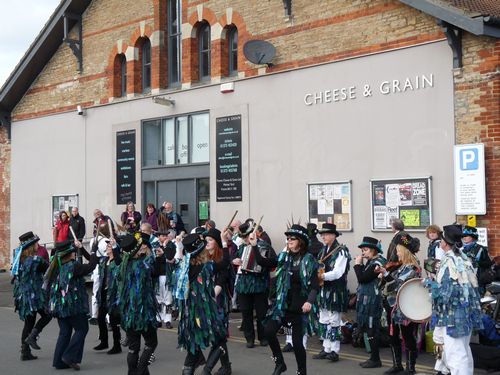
(470, 185)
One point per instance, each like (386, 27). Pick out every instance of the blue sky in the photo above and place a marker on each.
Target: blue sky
(20, 23)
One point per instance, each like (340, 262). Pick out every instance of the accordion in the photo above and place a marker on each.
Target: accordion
(248, 261)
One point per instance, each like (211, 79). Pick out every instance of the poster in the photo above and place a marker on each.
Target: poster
(405, 194)
(410, 217)
(330, 203)
(379, 196)
(203, 210)
(392, 195)
(380, 217)
(419, 194)
(228, 159)
(408, 199)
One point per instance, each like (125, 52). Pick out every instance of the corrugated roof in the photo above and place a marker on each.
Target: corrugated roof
(478, 7)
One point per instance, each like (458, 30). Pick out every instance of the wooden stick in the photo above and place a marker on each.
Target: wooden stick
(230, 221)
(73, 233)
(110, 230)
(258, 224)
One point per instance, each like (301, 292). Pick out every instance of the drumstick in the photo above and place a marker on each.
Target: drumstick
(230, 221)
(73, 233)
(110, 230)
(258, 224)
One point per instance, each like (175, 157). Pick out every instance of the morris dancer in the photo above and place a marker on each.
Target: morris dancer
(407, 268)
(369, 297)
(456, 309)
(29, 297)
(200, 324)
(333, 295)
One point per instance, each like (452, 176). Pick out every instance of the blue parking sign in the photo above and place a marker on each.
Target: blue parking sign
(469, 159)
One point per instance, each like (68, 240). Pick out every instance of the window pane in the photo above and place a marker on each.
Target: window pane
(182, 140)
(200, 138)
(151, 143)
(205, 64)
(174, 42)
(169, 141)
(123, 76)
(146, 66)
(149, 193)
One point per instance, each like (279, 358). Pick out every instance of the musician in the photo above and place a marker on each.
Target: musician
(220, 256)
(68, 302)
(296, 291)
(98, 245)
(407, 268)
(200, 323)
(164, 281)
(29, 297)
(333, 295)
(107, 297)
(252, 287)
(477, 253)
(369, 296)
(456, 310)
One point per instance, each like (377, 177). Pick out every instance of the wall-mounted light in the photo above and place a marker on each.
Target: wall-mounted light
(80, 111)
(169, 102)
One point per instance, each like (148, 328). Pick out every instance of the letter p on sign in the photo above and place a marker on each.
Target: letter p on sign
(469, 159)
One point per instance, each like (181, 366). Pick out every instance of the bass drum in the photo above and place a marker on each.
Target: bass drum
(414, 301)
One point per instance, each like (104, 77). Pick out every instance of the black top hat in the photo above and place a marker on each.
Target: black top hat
(215, 234)
(452, 234)
(65, 247)
(28, 239)
(145, 239)
(329, 228)
(128, 242)
(245, 229)
(372, 243)
(193, 244)
(199, 230)
(470, 231)
(298, 231)
(411, 243)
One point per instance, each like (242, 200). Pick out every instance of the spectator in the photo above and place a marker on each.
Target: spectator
(100, 218)
(61, 229)
(151, 216)
(131, 219)
(174, 218)
(41, 251)
(78, 224)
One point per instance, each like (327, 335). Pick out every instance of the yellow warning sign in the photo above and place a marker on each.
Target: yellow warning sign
(471, 220)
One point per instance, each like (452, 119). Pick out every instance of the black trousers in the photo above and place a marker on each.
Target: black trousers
(296, 321)
(30, 323)
(114, 321)
(70, 344)
(408, 332)
(247, 303)
(134, 338)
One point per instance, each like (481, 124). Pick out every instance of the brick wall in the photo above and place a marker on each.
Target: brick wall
(4, 199)
(477, 119)
(342, 29)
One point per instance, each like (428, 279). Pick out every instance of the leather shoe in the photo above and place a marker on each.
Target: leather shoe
(264, 342)
(371, 364)
(101, 346)
(250, 344)
(334, 357)
(287, 348)
(74, 366)
(168, 325)
(321, 355)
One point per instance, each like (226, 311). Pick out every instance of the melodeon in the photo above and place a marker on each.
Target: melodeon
(248, 262)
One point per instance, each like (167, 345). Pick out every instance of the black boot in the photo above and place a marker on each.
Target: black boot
(411, 360)
(397, 367)
(224, 360)
(142, 365)
(200, 360)
(103, 345)
(116, 341)
(374, 360)
(302, 372)
(31, 339)
(280, 365)
(188, 370)
(132, 359)
(213, 358)
(26, 353)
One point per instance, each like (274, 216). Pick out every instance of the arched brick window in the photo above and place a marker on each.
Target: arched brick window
(120, 76)
(142, 66)
(204, 51)
(232, 50)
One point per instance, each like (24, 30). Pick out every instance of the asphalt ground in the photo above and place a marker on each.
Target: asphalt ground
(169, 359)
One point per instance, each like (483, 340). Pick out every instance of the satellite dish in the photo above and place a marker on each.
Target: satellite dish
(259, 52)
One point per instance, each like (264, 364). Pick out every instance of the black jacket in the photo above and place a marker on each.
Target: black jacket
(78, 224)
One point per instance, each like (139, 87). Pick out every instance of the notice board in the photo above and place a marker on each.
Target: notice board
(125, 167)
(330, 202)
(228, 159)
(63, 202)
(408, 199)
